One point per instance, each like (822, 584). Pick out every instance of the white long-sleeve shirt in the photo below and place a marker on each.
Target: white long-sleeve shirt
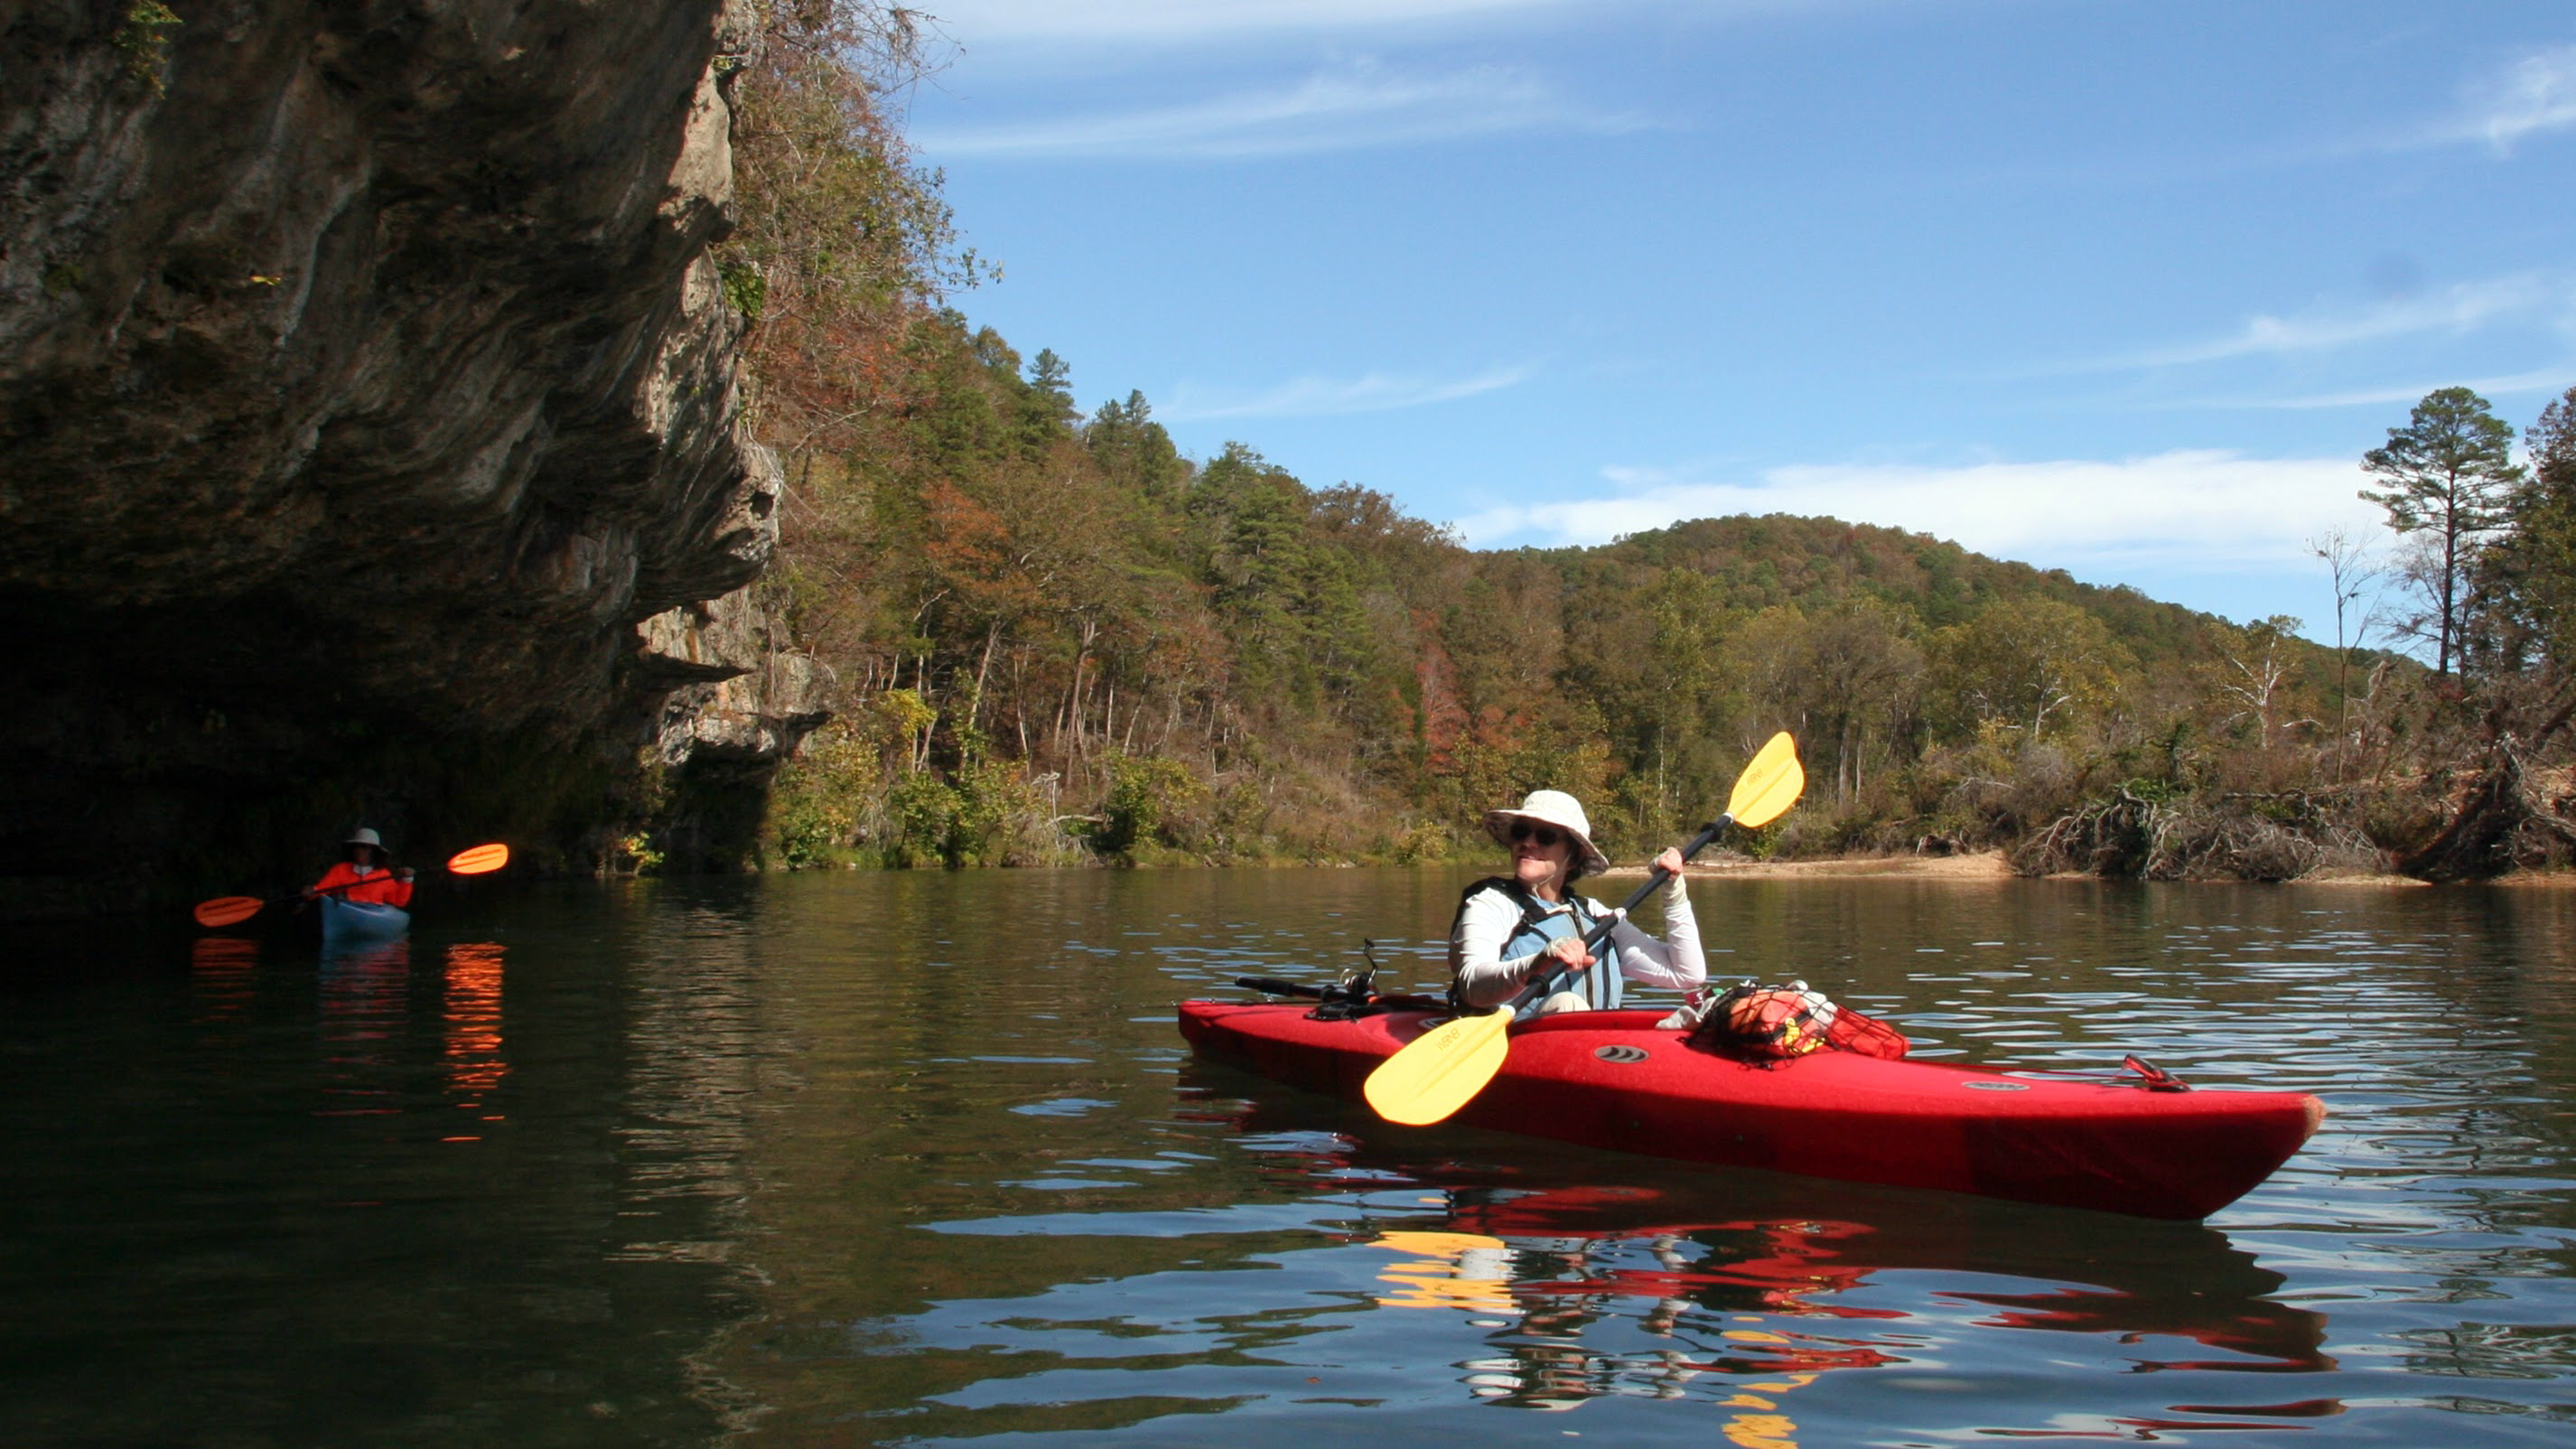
(1492, 916)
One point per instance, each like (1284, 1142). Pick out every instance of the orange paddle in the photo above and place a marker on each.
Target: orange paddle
(233, 910)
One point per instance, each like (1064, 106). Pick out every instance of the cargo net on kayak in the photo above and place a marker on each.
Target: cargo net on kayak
(1775, 1023)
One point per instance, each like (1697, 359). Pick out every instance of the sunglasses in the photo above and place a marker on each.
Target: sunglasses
(1547, 837)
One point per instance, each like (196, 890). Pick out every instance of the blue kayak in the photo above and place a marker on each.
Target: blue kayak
(349, 921)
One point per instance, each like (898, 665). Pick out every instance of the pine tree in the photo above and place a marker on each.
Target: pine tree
(2451, 476)
(2529, 582)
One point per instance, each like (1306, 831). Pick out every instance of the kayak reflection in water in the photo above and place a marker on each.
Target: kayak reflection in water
(1517, 940)
(361, 869)
(1735, 1292)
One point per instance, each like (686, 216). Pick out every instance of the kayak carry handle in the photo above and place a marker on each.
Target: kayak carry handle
(2157, 1079)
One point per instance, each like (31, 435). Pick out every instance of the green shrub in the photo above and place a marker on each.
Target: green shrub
(1425, 842)
(816, 803)
(1143, 789)
(922, 820)
(144, 37)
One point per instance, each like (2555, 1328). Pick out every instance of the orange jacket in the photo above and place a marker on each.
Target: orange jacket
(381, 888)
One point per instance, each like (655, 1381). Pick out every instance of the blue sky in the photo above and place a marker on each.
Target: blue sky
(2120, 288)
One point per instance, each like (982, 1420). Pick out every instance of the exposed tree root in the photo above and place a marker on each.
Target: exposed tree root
(2264, 837)
(2501, 823)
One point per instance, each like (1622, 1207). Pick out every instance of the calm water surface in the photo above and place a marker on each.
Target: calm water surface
(920, 1158)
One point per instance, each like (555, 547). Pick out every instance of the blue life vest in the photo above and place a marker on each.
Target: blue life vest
(1541, 923)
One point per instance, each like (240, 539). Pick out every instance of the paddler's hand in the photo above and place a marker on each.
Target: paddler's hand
(1670, 862)
(403, 874)
(1568, 954)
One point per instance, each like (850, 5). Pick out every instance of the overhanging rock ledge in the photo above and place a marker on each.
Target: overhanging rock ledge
(372, 429)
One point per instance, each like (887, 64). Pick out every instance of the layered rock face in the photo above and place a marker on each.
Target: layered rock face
(364, 385)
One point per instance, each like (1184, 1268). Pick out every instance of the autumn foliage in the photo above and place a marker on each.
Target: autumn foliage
(1057, 639)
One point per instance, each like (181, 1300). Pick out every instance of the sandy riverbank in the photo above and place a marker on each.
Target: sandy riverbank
(1989, 866)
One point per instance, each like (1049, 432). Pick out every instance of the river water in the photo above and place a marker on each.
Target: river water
(919, 1158)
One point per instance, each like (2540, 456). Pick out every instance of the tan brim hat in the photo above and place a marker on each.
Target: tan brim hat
(1550, 807)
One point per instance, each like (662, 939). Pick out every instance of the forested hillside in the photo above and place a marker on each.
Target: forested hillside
(1057, 639)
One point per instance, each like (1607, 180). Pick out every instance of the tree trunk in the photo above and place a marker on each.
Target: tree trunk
(975, 706)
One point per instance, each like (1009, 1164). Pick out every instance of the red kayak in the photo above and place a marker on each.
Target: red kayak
(1611, 1079)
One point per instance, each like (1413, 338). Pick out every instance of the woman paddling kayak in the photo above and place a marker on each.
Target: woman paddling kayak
(1518, 939)
(360, 874)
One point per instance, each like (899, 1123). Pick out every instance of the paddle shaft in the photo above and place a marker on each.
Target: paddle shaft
(377, 879)
(1276, 987)
(257, 902)
(232, 910)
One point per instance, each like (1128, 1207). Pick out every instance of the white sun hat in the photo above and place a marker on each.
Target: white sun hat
(1550, 807)
(363, 836)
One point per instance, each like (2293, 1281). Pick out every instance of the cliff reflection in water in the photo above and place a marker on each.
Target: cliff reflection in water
(429, 1188)
(921, 1158)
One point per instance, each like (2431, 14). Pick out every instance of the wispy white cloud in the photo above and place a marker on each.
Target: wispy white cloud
(1321, 397)
(2457, 311)
(1351, 107)
(2544, 379)
(2535, 95)
(2199, 510)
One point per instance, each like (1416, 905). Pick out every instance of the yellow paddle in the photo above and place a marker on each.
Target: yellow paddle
(1443, 1069)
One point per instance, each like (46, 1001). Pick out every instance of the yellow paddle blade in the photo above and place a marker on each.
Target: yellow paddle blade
(1769, 785)
(228, 910)
(485, 858)
(1438, 1245)
(1442, 1274)
(1439, 1071)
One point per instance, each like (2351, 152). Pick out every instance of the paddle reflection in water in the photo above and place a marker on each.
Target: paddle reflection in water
(470, 1017)
(224, 972)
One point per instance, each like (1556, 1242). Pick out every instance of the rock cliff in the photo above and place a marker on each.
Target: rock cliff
(369, 431)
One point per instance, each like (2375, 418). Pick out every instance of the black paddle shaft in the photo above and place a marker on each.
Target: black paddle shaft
(1655, 881)
(1276, 987)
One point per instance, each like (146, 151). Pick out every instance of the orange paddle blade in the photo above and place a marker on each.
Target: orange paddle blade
(480, 860)
(228, 910)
